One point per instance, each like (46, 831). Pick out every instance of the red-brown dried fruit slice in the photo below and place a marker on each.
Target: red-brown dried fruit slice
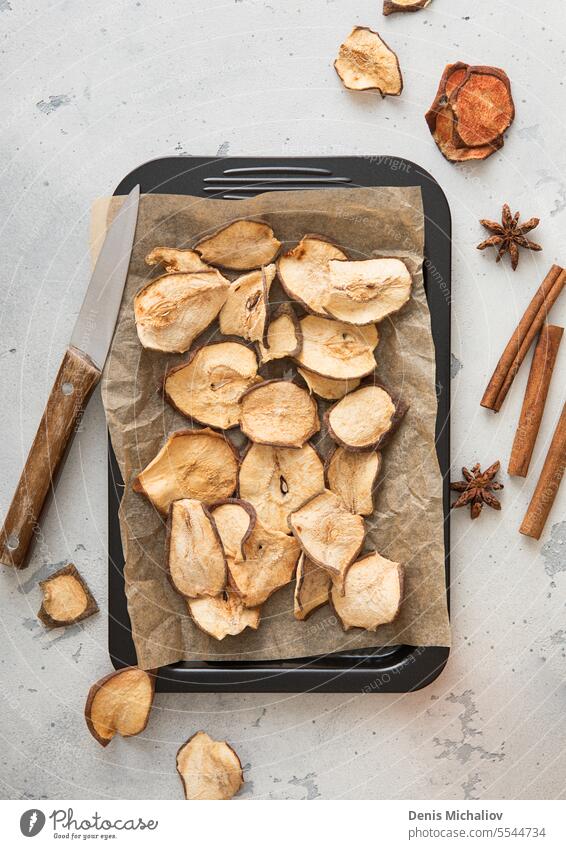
(66, 598)
(365, 418)
(365, 62)
(174, 260)
(483, 106)
(268, 562)
(278, 412)
(209, 769)
(352, 475)
(195, 559)
(245, 311)
(312, 588)
(371, 594)
(240, 246)
(120, 703)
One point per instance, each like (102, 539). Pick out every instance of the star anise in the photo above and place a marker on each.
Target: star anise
(509, 236)
(477, 489)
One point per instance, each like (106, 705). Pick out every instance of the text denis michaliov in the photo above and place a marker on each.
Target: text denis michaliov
(457, 815)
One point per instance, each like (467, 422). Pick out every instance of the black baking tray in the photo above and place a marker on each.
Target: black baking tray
(394, 669)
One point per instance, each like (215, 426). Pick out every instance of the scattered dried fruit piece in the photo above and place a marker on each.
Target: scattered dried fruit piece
(268, 563)
(235, 520)
(477, 489)
(119, 703)
(328, 533)
(371, 595)
(223, 616)
(199, 464)
(509, 236)
(365, 418)
(303, 271)
(483, 106)
(392, 6)
(365, 62)
(327, 387)
(209, 769)
(352, 475)
(312, 588)
(278, 412)
(337, 350)
(278, 480)
(240, 246)
(283, 338)
(245, 311)
(195, 559)
(66, 598)
(367, 291)
(208, 387)
(172, 310)
(175, 260)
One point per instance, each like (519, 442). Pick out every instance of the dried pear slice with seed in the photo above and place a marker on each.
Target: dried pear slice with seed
(328, 533)
(120, 703)
(268, 563)
(327, 387)
(337, 350)
(483, 106)
(199, 464)
(240, 246)
(392, 6)
(235, 519)
(276, 481)
(367, 291)
(172, 310)
(209, 769)
(366, 62)
(303, 271)
(245, 311)
(312, 588)
(223, 616)
(174, 260)
(195, 559)
(365, 418)
(371, 594)
(278, 412)
(66, 598)
(208, 387)
(352, 475)
(283, 338)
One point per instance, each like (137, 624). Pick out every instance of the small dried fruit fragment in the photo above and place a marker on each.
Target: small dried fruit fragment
(174, 260)
(304, 271)
(312, 588)
(371, 595)
(240, 246)
(337, 350)
(327, 387)
(352, 475)
(278, 480)
(365, 418)
(392, 6)
(245, 311)
(66, 598)
(268, 562)
(283, 338)
(199, 464)
(278, 412)
(223, 616)
(209, 769)
(235, 520)
(365, 61)
(172, 310)
(367, 291)
(483, 106)
(120, 703)
(208, 387)
(195, 558)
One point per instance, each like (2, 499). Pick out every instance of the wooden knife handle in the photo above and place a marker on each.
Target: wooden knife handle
(73, 385)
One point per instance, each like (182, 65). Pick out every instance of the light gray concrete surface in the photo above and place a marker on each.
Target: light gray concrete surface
(90, 91)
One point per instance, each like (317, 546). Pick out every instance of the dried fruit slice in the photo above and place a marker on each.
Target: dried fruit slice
(278, 480)
(195, 559)
(303, 271)
(209, 769)
(278, 412)
(268, 563)
(241, 246)
(367, 291)
(312, 588)
(245, 311)
(175, 260)
(371, 595)
(327, 387)
(352, 475)
(172, 310)
(283, 338)
(235, 520)
(330, 535)
(120, 703)
(208, 387)
(199, 464)
(365, 61)
(483, 106)
(337, 350)
(223, 616)
(365, 418)
(392, 6)
(66, 598)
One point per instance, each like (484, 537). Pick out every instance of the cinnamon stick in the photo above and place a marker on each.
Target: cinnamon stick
(548, 484)
(534, 401)
(518, 346)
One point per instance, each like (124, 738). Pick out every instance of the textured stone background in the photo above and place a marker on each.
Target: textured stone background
(89, 92)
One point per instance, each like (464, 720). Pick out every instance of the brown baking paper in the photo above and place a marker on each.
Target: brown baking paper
(408, 521)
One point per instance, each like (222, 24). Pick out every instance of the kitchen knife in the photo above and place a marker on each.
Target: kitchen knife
(78, 374)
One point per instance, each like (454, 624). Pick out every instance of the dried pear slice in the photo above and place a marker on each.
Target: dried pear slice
(283, 338)
(199, 464)
(268, 563)
(365, 62)
(245, 311)
(365, 418)
(371, 594)
(195, 560)
(209, 769)
(303, 271)
(278, 480)
(392, 6)
(328, 533)
(235, 520)
(337, 350)
(172, 310)
(367, 291)
(278, 412)
(174, 260)
(327, 387)
(223, 616)
(352, 475)
(312, 588)
(66, 598)
(120, 703)
(240, 246)
(208, 387)
(483, 106)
